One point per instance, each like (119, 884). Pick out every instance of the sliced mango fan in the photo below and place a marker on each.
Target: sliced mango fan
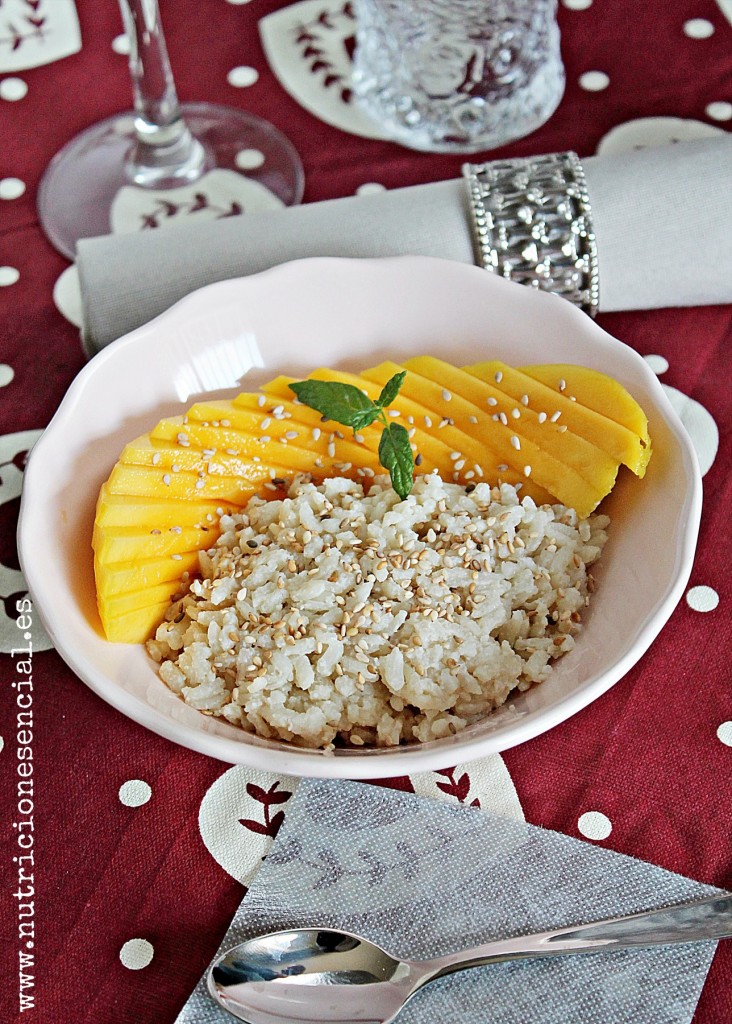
(560, 431)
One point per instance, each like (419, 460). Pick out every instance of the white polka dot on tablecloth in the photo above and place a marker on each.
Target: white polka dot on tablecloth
(242, 76)
(369, 188)
(724, 733)
(136, 954)
(249, 159)
(719, 110)
(8, 276)
(594, 825)
(577, 5)
(238, 2)
(2, 743)
(702, 599)
(67, 295)
(659, 364)
(698, 28)
(12, 89)
(6, 374)
(594, 81)
(11, 188)
(121, 44)
(134, 793)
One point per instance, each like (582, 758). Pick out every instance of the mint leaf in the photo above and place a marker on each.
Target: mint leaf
(343, 403)
(365, 418)
(395, 454)
(391, 389)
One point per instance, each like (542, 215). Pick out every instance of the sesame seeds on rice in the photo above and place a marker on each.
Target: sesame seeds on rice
(334, 617)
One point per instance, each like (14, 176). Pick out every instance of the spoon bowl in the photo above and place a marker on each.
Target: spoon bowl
(311, 974)
(335, 977)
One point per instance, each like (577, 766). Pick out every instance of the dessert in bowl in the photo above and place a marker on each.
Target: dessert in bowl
(237, 335)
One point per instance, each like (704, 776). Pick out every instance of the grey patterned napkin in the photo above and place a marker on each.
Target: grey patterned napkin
(424, 879)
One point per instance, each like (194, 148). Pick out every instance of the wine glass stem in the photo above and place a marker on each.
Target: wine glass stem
(165, 153)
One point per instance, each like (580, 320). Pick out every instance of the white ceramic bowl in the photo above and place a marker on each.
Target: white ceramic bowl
(348, 313)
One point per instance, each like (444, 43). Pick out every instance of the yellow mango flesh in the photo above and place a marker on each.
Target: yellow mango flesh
(162, 502)
(127, 511)
(112, 605)
(130, 544)
(593, 389)
(135, 626)
(603, 410)
(127, 576)
(558, 459)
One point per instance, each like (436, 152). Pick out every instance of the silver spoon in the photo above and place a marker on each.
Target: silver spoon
(319, 974)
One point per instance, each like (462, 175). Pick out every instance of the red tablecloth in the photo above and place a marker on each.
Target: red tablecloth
(646, 770)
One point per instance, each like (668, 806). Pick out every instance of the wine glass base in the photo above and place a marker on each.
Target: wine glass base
(79, 186)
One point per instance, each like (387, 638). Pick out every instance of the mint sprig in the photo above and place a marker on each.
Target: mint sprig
(348, 405)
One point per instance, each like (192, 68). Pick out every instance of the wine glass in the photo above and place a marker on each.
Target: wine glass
(160, 145)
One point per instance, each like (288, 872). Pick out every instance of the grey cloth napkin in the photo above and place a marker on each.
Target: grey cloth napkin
(424, 879)
(662, 217)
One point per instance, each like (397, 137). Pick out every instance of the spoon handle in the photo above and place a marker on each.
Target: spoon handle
(687, 922)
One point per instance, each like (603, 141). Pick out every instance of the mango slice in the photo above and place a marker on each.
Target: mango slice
(559, 432)
(135, 626)
(620, 442)
(565, 465)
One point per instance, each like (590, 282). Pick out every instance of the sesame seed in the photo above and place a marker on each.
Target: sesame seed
(562, 429)
(527, 470)
(498, 377)
(265, 423)
(555, 416)
(455, 456)
(562, 384)
(265, 439)
(478, 469)
(178, 558)
(176, 529)
(572, 398)
(156, 458)
(183, 440)
(460, 464)
(200, 484)
(226, 423)
(358, 438)
(418, 460)
(427, 421)
(166, 479)
(542, 417)
(156, 532)
(502, 467)
(394, 413)
(278, 411)
(524, 399)
(503, 418)
(446, 396)
(472, 419)
(515, 442)
(261, 400)
(175, 467)
(331, 450)
(491, 400)
(291, 435)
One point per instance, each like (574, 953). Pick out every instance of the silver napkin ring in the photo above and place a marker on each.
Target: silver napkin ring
(532, 223)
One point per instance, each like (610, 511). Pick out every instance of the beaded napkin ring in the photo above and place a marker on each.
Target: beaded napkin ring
(532, 223)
